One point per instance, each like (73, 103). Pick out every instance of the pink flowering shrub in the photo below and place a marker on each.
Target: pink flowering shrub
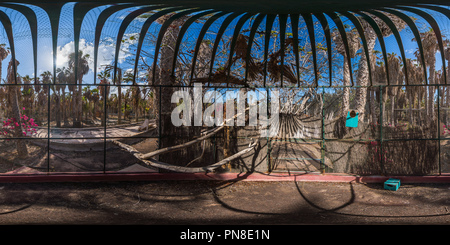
(28, 126)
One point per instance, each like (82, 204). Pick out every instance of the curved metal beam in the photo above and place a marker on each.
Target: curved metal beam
(54, 12)
(416, 34)
(362, 35)
(310, 27)
(380, 37)
(143, 33)
(294, 23)
(269, 24)
(162, 32)
(326, 29)
(6, 22)
(79, 11)
(104, 15)
(436, 29)
(202, 33)
(125, 23)
(255, 25)
(237, 30)
(337, 20)
(397, 36)
(30, 15)
(283, 21)
(222, 29)
(183, 30)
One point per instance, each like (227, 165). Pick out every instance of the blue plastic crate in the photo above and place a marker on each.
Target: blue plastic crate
(392, 184)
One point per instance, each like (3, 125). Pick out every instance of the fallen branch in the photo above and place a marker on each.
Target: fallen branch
(184, 145)
(157, 164)
(177, 147)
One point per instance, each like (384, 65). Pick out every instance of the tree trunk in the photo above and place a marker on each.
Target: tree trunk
(346, 94)
(163, 101)
(21, 146)
(431, 91)
(80, 100)
(362, 78)
(119, 113)
(58, 110)
(410, 108)
(392, 110)
(372, 105)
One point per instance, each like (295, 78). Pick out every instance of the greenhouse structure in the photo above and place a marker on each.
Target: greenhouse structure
(208, 89)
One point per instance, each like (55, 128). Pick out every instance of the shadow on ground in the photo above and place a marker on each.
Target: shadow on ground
(222, 202)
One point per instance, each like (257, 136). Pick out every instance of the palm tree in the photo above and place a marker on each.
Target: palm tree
(82, 69)
(46, 79)
(104, 93)
(28, 94)
(61, 78)
(362, 76)
(430, 46)
(447, 94)
(136, 93)
(4, 52)
(109, 69)
(415, 77)
(395, 78)
(21, 146)
(354, 46)
(95, 98)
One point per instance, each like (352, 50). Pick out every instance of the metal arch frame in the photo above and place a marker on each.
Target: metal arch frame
(380, 37)
(220, 33)
(237, 30)
(255, 26)
(415, 31)
(183, 30)
(310, 27)
(143, 33)
(200, 37)
(436, 30)
(32, 21)
(337, 20)
(269, 25)
(362, 36)
(81, 9)
(125, 23)
(394, 30)
(326, 29)
(6, 22)
(104, 15)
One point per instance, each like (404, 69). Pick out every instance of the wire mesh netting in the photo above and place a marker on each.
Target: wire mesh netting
(99, 87)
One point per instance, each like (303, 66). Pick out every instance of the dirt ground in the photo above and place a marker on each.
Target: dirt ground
(222, 203)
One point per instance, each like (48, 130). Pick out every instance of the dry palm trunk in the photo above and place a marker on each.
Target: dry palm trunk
(162, 165)
(119, 88)
(346, 95)
(21, 146)
(354, 46)
(431, 90)
(362, 78)
(169, 134)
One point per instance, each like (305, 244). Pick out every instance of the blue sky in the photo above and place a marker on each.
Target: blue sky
(107, 45)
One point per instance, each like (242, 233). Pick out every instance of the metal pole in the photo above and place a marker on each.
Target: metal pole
(48, 128)
(381, 128)
(268, 131)
(104, 132)
(439, 128)
(322, 147)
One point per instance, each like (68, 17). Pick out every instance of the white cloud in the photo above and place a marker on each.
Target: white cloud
(410, 51)
(106, 51)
